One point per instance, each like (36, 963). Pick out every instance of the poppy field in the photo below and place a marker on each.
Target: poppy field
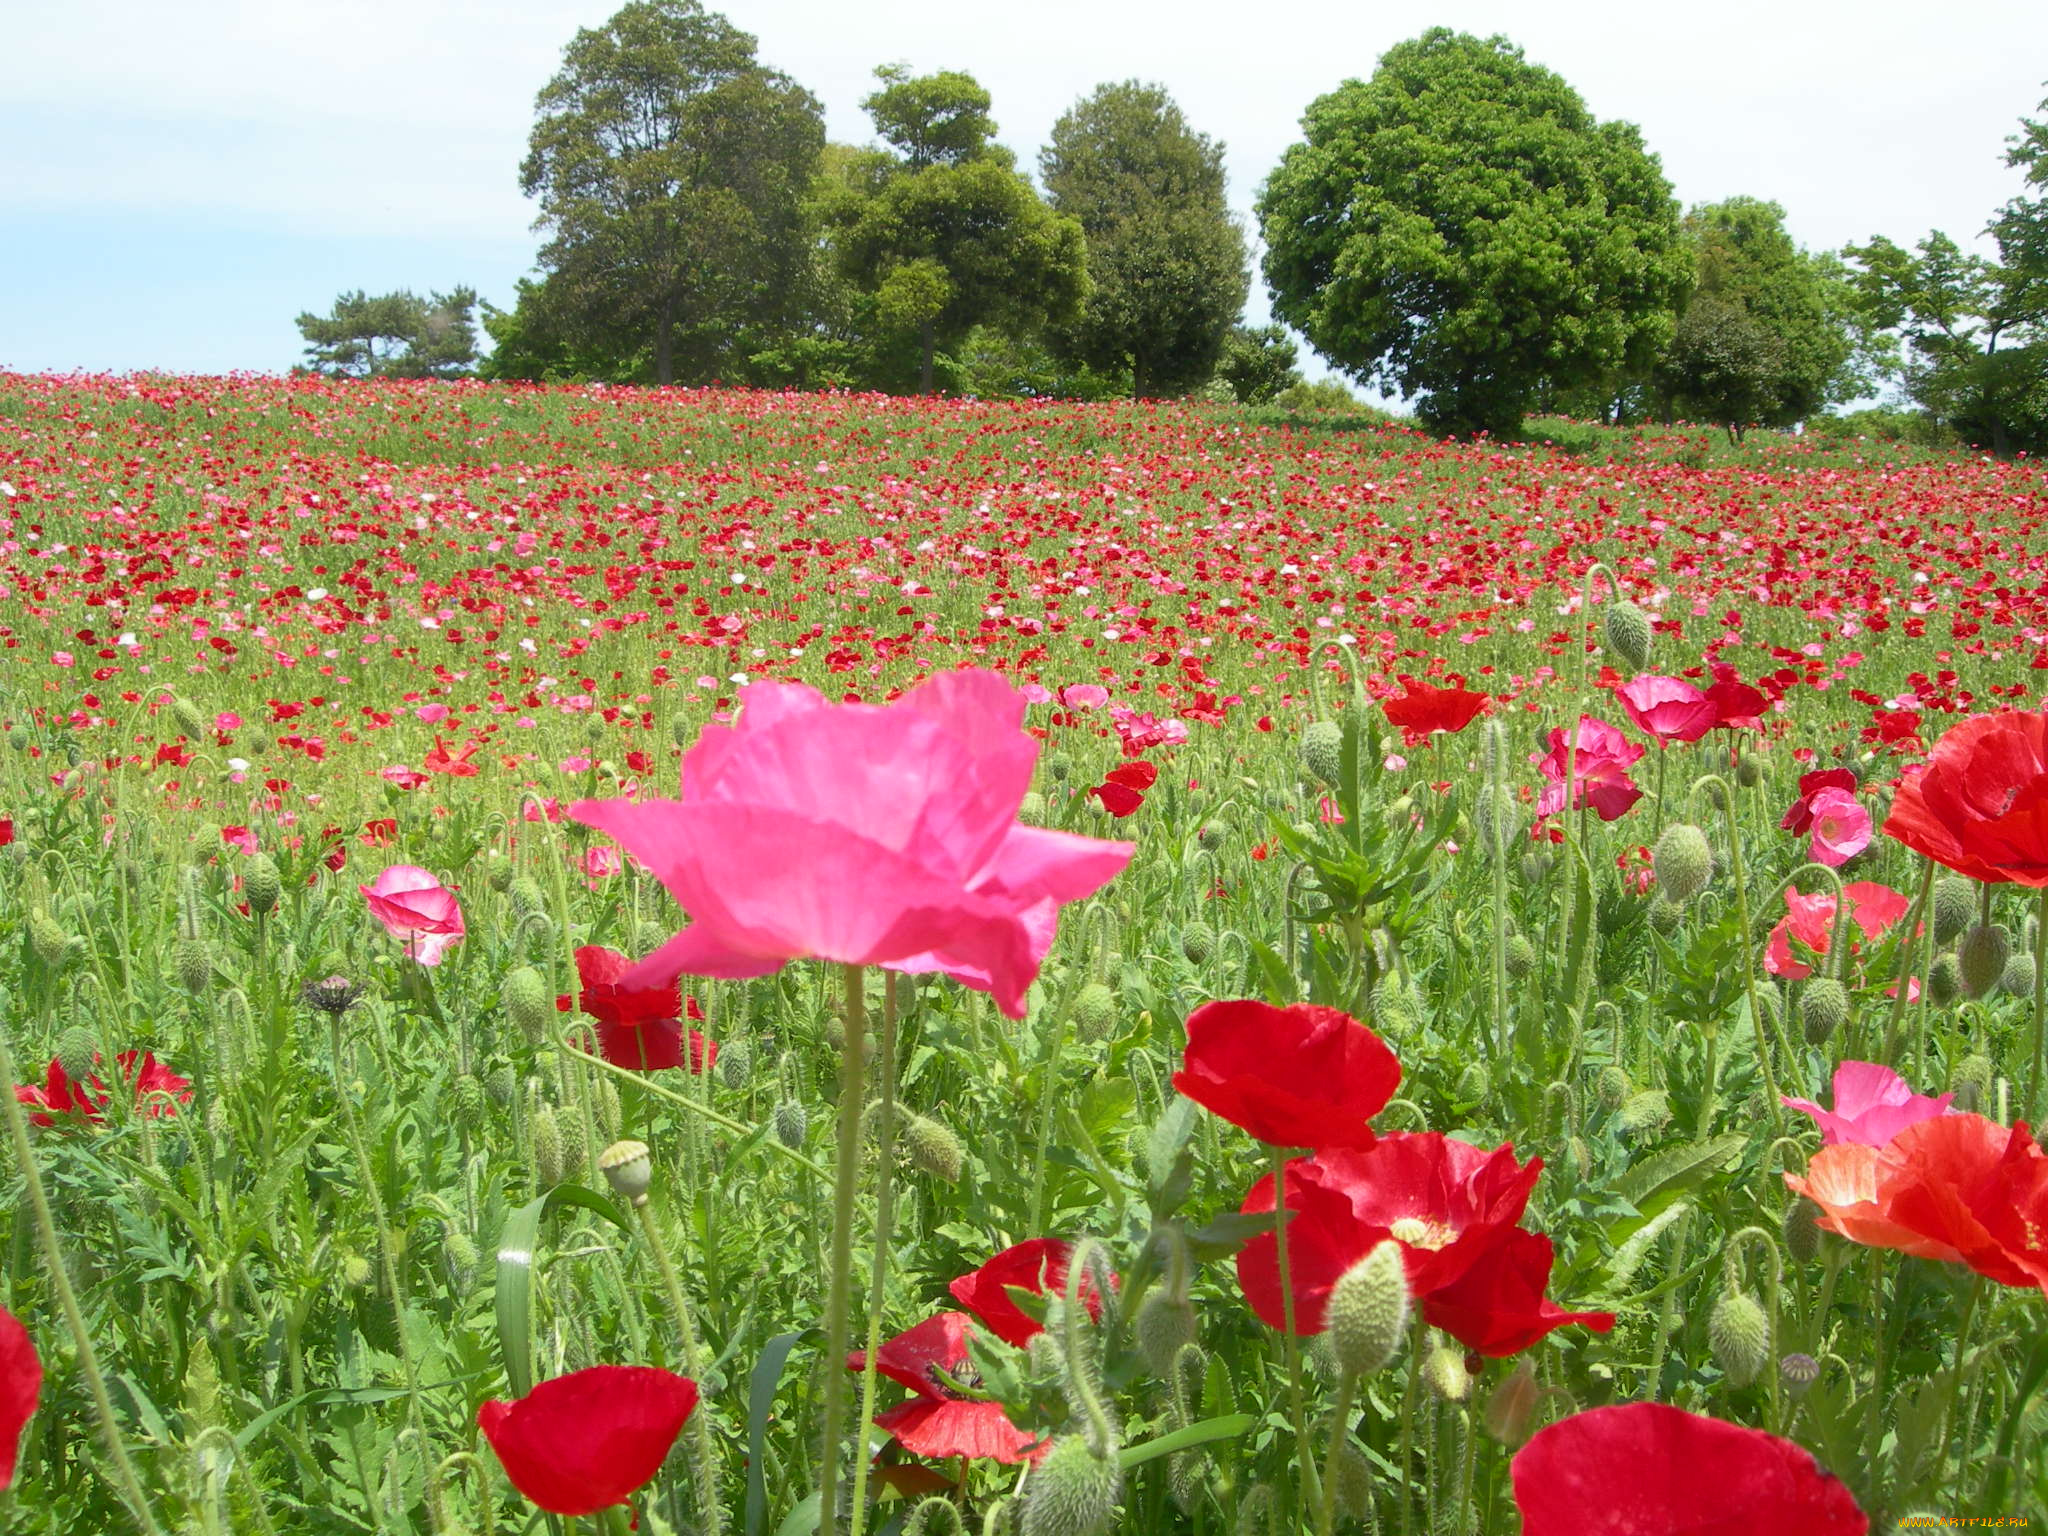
(592, 959)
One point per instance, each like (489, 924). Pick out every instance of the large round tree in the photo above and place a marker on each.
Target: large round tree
(1459, 227)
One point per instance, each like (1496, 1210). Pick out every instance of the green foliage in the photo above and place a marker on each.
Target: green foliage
(1166, 259)
(941, 232)
(671, 170)
(1460, 227)
(1258, 364)
(393, 335)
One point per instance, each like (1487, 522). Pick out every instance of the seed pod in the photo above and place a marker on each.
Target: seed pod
(1740, 1336)
(77, 1054)
(261, 883)
(1165, 1325)
(1944, 980)
(1798, 1372)
(1367, 1314)
(1322, 751)
(1955, 908)
(1823, 1008)
(1802, 1231)
(527, 1004)
(1682, 862)
(2018, 980)
(1627, 632)
(933, 1148)
(1073, 1492)
(1982, 955)
(791, 1124)
(547, 1147)
(1520, 957)
(1198, 943)
(629, 1170)
(1095, 1011)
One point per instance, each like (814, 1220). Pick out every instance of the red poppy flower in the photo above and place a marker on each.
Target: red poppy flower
(21, 1383)
(1122, 789)
(586, 1441)
(6, 830)
(1300, 1076)
(637, 1027)
(936, 1420)
(1648, 1469)
(1039, 1265)
(1959, 1188)
(1423, 710)
(1873, 908)
(158, 1090)
(1449, 1204)
(1798, 818)
(1980, 806)
(1737, 706)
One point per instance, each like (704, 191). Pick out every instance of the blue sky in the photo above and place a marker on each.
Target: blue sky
(181, 180)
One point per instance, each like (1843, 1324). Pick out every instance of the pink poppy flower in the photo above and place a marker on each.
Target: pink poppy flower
(1600, 777)
(1841, 827)
(416, 909)
(862, 833)
(1798, 816)
(1811, 920)
(1872, 1105)
(1084, 696)
(1668, 708)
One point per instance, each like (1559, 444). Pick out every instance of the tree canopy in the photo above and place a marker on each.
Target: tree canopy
(1166, 260)
(1460, 227)
(394, 335)
(671, 169)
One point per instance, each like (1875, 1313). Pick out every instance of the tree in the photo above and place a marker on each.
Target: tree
(671, 170)
(941, 231)
(1460, 227)
(1166, 261)
(1258, 363)
(393, 335)
(1764, 338)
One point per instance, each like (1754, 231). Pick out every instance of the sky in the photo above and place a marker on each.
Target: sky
(181, 180)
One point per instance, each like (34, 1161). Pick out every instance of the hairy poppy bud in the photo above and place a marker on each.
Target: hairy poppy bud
(469, 1103)
(1496, 821)
(1802, 1230)
(1512, 1406)
(547, 1147)
(1444, 1373)
(76, 1053)
(1165, 1325)
(1955, 907)
(48, 939)
(459, 1249)
(500, 1085)
(1198, 943)
(1944, 980)
(933, 1148)
(1627, 632)
(792, 1124)
(1982, 956)
(1665, 914)
(1612, 1086)
(1395, 1012)
(1739, 1334)
(1057, 767)
(195, 965)
(629, 1170)
(1682, 862)
(1368, 1310)
(1354, 1485)
(1644, 1112)
(1520, 957)
(1322, 751)
(1823, 1008)
(527, 1004)
(186, 713)
(1073, 1492)
(526, 896)
(1032, 808)
(2018, 980)
(355, 1271)
(1474, 1083)
(261, 883)
(1095, 1011)
(736, 1062)
(1749, 773)
(1970, 1082)
(1536, 865)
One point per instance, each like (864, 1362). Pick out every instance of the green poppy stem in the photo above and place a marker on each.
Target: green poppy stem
(2040, 1003)
(885, 1138)
(702, 1453)
(1297, 1397)
(839, 1278)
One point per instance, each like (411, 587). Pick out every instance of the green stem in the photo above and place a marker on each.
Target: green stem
(60, 1281)
(2040, 1003)
(1955, 1374)
(1758, 1023)
(839, 1277)
(885, 1138)
(1048, 1073)
(1408, 1400)
(705, 1111)
(1340, 1428)
(1297, 1397)
(1909, 948)
(710, 1515)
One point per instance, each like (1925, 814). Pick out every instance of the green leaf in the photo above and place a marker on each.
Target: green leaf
(761, 1385)
(514, 1298)
(802, 1519)
(1628, 1258)
(1229, 1427)
(1651, 1183)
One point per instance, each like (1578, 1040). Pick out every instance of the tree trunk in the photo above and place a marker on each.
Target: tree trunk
(664, 347)
(1137, 377)
(928, 339)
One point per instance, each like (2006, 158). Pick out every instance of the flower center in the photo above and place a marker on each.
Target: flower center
(1419, 1232)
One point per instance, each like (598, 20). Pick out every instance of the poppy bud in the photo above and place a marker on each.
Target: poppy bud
(1627, 632)
(933, 1148)
(527, 1004)
(76, 1053)
(1444, 1373)
(1073, 1492)
(526, 896)
(355, 1271)
(547, 1147)
(1955, 906)
(1749, 773)
(1520, 957)
(791, 1124)
(18, 740)
(1970, 1082)
(679, 731)
(1682, 862)
(1354, 1485)
(1211, 835)
(1536, 865)
(500, 877)
(1644, 1112)
(1395, 1012)
(736, 1062)
(186, 713)
(2018, 980)
(1823, 1008)
(1612, 1086)
(500, 1085)
(1367, 1314)
(460, 1252)
(1802, 1230)
(1944, 980)
(1496, 821)
(1322, 751)
(1165, 1325)
(1798, 1372)
(261, 883)
(1982, 956)
(468, 1096)
(1665, 914)
(1032, 808)
(605, 1111)
(195, 965)
(1512, 1406)
(1581, 1155)
(1739, 1334)
(629, 1170)
(1095, 1011)
(48, 939)
(1057, 766)
(1474, 1083)
(1198, 943)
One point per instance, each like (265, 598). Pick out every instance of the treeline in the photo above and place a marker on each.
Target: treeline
(1458, 229)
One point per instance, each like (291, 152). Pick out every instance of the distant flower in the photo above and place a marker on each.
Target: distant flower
(1039, 1266)
(1872, 1105)
(1798, 817)
(158, 1090)
(936, 1420)
(1123, 788)
(416, 909)
(1598, 770)
(1873, 908)
(1423, 710)
(580, 1443)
